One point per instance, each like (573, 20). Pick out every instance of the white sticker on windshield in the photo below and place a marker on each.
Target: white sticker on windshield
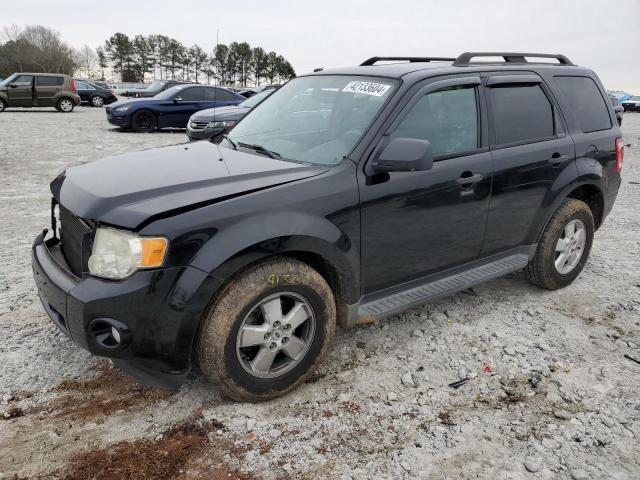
(368, 88)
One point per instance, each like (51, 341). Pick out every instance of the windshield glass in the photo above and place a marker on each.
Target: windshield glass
(315, 119)
(8, 79)
(155, 86)
(169, 93)
(256, 99)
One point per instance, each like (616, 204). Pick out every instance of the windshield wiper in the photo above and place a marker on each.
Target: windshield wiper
(231, 142)
(261, 149)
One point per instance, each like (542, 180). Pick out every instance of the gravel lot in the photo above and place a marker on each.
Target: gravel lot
(550, 395)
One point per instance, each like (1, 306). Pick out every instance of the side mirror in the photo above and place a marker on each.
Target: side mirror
(177, 99)
(405, 155)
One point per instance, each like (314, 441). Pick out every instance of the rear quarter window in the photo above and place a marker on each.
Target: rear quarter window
(586, 101)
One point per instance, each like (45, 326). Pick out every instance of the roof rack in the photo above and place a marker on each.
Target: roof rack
(374, 60)
(509, 57)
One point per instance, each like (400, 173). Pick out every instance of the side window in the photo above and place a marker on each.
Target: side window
(448, 118)
(192, 94)
(83, 86)
(219, 94)
(521, 113)
(22, 80)
(48, 81)
(586, 102)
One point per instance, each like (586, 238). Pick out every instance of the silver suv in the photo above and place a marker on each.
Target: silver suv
(39, 90)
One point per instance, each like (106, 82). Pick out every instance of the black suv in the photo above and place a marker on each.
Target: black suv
(347, 195)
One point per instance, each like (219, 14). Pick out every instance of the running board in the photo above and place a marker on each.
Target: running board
(417, 294)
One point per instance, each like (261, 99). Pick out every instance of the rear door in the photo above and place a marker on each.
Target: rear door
(46, 88)
(417, 223)
(531, 151)
(20, 91)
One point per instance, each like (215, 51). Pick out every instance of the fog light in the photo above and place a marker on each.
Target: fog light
(115, 334)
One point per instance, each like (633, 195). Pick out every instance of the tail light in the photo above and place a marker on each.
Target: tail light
(73, 86)
(619, 154)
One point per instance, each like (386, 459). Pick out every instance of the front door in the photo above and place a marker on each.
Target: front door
(185, 103)
(531, 150)
(418, 223)
(20, 91)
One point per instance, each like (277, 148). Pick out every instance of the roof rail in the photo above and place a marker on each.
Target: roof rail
(509, 57)
(374, 60)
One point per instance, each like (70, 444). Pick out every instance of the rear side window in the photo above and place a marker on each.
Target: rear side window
(219, 94)
(586, 101)
(521, 113)
(49, 81)
(448, 118)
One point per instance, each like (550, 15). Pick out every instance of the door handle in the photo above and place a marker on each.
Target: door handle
(470, 180)
(558, 158)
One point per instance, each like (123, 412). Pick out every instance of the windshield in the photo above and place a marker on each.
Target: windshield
(155, 86)
(7, 80)
(315, 119)
(169, 93)
(256, 99)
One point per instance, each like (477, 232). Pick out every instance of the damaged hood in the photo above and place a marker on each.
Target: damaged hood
(128, 189)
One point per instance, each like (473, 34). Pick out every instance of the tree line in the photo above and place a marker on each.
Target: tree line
(36, 48)
(161, 57)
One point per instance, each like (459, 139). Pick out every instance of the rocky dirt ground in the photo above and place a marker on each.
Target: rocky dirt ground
(550, 393)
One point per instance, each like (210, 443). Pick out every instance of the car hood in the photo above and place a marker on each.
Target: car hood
(221, 113)
(131, 189)
(128, 101)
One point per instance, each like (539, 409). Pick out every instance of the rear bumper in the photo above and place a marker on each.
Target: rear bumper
(157, 312)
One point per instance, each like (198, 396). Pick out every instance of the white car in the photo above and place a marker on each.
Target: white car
(632, 104)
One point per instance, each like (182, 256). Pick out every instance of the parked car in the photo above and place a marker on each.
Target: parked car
(39, 90)
(212, 122)
(349, 195)
(617, 108)
(153, 89)
(169, 109)
(93, 94)
(632, 104)
(95, 82)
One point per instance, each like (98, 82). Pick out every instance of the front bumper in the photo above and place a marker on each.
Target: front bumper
(631, 107)
(161, 310)
(118, 120)
(203, 134)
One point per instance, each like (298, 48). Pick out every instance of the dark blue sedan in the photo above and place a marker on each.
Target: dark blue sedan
(169, 109)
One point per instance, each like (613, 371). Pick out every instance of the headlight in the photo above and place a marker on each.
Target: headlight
(227, 124)
(124, 108)
(117, 254)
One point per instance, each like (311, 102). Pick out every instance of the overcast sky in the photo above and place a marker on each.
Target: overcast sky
(603, 35)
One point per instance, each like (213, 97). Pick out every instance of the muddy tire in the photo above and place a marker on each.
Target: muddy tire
(144, 121)
(267, 331)
(564, 246)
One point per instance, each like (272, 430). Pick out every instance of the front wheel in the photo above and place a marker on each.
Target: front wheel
(65, 105)
(143, 121)
(564, 246)
(97, 101)
(268, 330)
(3, 105)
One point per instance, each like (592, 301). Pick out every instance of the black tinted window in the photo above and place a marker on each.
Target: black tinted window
(521, 113)
(586, 101)
(219, 94)
(448, 118)
(191, 94)
(49, 81)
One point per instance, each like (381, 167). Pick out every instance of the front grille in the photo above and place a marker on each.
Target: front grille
(73, 239)
(198, 125)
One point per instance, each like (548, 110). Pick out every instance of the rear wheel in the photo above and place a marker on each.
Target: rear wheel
(96, 101)
(564, 247)
(268, 330)
(65, 105)
(3, 105)
(143, 121)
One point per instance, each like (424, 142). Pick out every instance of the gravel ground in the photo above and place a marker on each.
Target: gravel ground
(550, 394)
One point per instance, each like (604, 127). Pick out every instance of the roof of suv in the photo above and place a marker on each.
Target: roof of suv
(44, 74)
(403, 66)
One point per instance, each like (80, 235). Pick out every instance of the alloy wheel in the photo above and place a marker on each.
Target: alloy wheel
(275, 335)
(66, 105)
(97, 101)
(570, 246)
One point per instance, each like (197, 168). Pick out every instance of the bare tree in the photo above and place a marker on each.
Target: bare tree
(86, 59)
